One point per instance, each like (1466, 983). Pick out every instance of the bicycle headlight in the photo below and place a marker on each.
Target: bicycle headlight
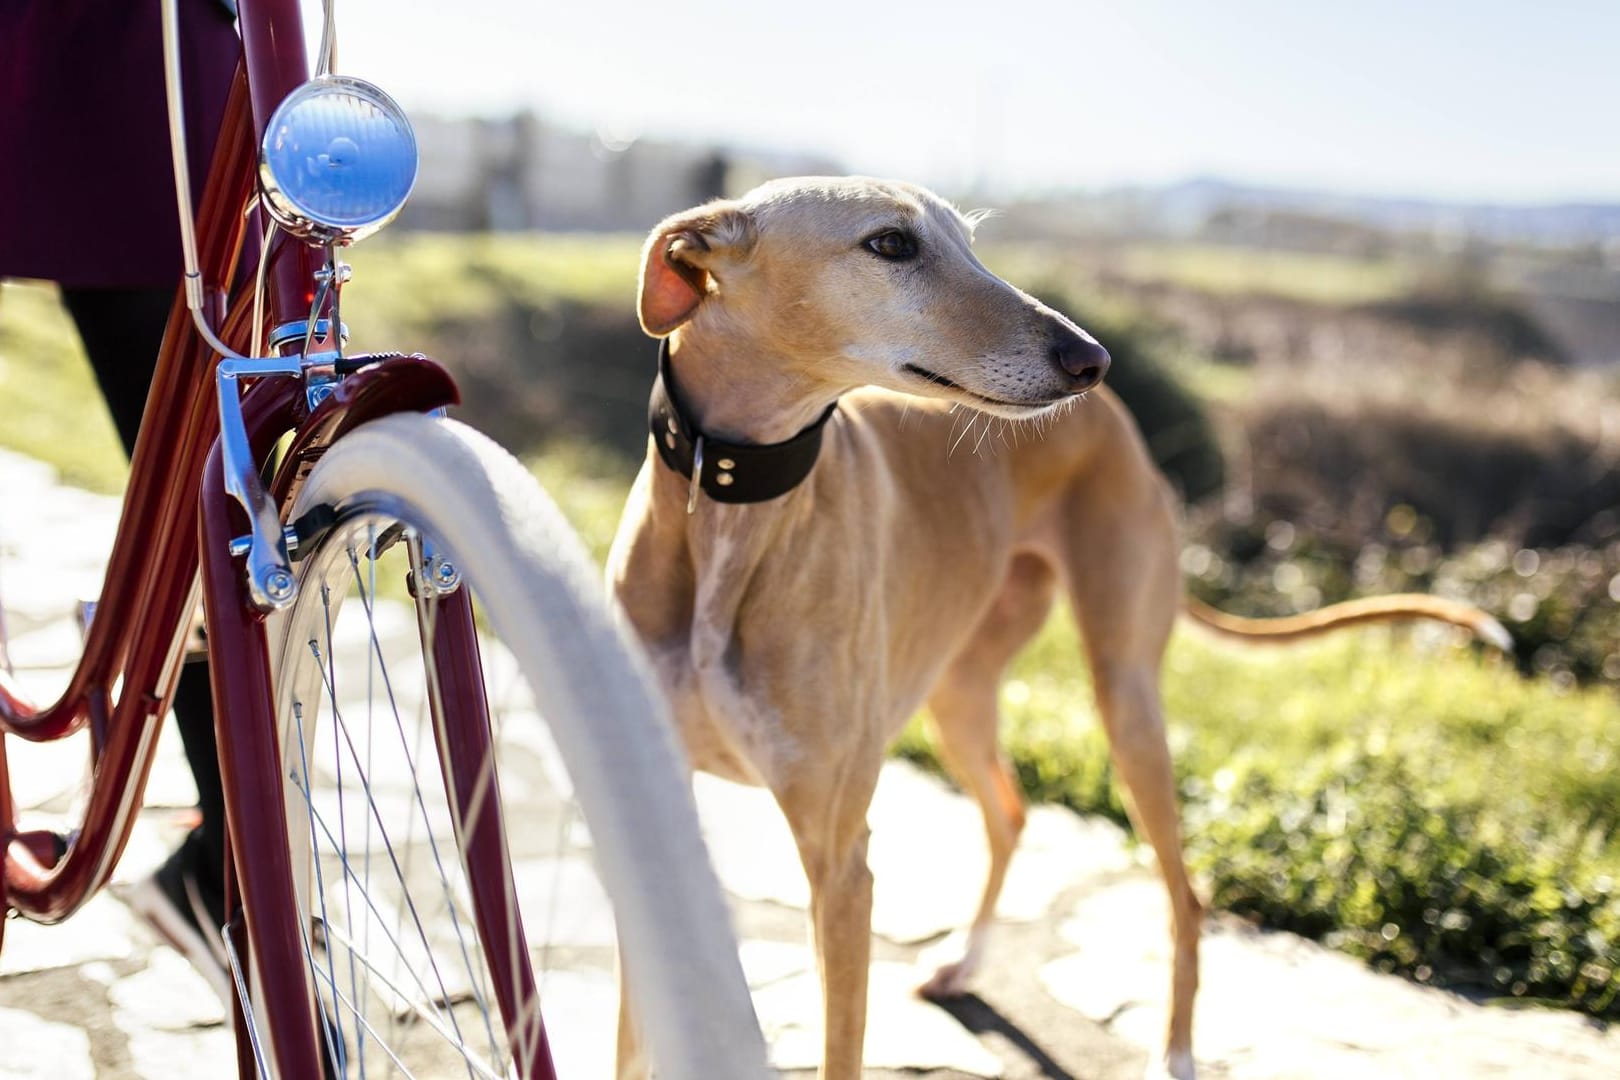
(338, 160)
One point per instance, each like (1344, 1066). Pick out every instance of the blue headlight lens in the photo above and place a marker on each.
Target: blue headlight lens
(338, 160)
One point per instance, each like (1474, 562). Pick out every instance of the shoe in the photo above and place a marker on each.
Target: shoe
(187, 909)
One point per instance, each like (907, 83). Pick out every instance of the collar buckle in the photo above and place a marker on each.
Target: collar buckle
(697, 476)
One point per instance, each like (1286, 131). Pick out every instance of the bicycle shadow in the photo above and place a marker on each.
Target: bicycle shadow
(981, 1018)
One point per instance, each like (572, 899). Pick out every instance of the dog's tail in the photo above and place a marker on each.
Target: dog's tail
(1373, 609)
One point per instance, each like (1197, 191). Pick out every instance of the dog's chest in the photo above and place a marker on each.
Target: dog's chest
(727, 730)
(724, 731)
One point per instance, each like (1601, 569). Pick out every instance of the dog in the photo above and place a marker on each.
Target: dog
(809, 553)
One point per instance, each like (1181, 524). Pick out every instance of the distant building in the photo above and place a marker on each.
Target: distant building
(519, 172)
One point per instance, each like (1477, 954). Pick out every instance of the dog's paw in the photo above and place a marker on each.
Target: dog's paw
(1177, 1065)
(955, 960)
(950, 981)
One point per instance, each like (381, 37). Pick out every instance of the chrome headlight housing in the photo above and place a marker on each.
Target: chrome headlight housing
(338, 160)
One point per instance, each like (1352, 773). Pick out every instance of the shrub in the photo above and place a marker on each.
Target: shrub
(1366, 851)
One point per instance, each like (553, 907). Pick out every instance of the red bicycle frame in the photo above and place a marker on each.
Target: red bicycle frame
(176, 519)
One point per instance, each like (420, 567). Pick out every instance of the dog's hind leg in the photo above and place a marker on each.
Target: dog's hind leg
(1121, 562)
(630, 1059)
(964, 708)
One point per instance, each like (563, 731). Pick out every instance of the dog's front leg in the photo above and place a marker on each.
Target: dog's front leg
(830, 829)
(841, 908)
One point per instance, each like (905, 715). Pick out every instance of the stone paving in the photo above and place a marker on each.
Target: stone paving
(1074, 987)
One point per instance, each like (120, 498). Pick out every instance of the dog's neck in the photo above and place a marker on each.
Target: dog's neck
(740, 393)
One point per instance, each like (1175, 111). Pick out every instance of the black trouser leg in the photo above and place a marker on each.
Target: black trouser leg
(122, 330)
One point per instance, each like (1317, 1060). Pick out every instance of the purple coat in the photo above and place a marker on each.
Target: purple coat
(86, 185)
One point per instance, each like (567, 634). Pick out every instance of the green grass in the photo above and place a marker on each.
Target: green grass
(589, 487)
(53, 410)
(406, 284)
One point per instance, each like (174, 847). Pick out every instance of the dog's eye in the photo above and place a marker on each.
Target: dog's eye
(896, 245)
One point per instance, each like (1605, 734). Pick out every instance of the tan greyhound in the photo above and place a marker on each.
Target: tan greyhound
(831, 569)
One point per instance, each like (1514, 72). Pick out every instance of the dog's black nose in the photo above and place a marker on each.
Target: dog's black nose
(1082, 358)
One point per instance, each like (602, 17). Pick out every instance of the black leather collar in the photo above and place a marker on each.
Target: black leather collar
(727, 472)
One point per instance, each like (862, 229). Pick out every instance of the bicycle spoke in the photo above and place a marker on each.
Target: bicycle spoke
(371, 906)
(350, 877)
(427, 618)
(474, 1064)
(330, 682)
(334, 1040)
(366, 990)
(375, 650)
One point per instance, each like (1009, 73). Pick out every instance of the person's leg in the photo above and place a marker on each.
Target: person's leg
(122, 330)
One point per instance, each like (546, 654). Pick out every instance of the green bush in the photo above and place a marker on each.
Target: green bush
(1366, 851)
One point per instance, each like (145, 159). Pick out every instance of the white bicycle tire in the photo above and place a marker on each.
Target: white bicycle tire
(611, 726)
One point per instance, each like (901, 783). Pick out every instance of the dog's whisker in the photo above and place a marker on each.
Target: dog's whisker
(972, 417)
(982, 436)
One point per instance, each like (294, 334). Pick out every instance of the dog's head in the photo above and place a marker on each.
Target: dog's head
(863, 282)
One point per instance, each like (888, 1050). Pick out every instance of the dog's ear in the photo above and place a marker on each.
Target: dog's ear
(684, 259)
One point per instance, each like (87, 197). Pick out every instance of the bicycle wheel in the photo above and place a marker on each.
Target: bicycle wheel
(418, 941)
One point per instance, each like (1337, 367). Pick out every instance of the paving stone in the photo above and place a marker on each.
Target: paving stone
(927, 851)
(48, 589)
(170, 783)
(563, 902)
(415, 975)
(55, 644)
(767, 962)
(21, 475)
(155, 835)
(1269, 1002)
(582, 1015)
(49, 776)
(750, 843)
(101, 930)
(32, 1047)
(166, 995)
(99, 971)
(195, 1054)
(902, 1031)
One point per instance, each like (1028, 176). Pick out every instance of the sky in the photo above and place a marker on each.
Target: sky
(1482, 101)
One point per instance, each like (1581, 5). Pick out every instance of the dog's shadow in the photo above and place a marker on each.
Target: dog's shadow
(981, 1018)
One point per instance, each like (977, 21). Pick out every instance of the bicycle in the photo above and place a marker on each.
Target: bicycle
(372, 480)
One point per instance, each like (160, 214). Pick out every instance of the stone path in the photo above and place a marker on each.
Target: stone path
(1074, 987)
